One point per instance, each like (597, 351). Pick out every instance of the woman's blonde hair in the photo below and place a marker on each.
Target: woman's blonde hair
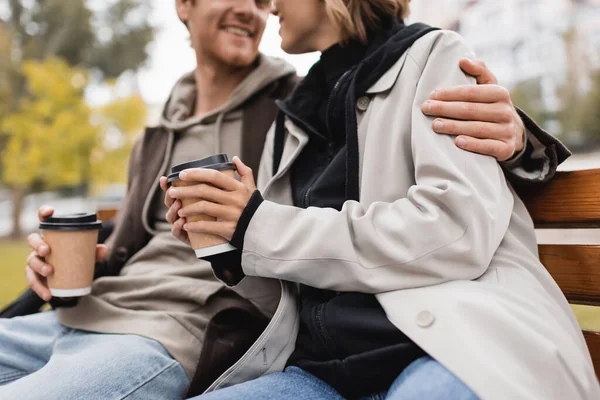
(354, 17)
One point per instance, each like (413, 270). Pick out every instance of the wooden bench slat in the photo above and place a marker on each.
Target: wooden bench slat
(576, 269)
(106, 214)
(571, 199)
(592, 339)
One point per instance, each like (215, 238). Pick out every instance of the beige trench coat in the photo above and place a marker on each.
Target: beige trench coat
(439, 237)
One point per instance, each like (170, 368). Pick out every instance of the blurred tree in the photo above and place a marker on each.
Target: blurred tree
(527, 95)
(112, 37)
(575, 95)
(120, 121)
(104, 37)
(590, 115)
(49, 134)
(55, 139)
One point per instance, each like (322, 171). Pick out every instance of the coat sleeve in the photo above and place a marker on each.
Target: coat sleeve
(541, 156)
(447, 227)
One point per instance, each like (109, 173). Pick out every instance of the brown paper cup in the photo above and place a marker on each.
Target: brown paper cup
(72, 240)
(73, 256)
(205, 244)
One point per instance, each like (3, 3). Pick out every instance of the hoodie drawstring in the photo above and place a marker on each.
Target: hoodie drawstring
(217, 132)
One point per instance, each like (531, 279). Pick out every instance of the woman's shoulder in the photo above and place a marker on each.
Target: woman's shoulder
(432, 58)
(439, 44)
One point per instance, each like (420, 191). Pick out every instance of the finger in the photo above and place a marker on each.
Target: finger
(177, 230)
(202, 191)
(496, 112)
(479, 130)
(102, 252)
(215, 178)
(37, 284)
(36, 242)
(472, 94)
(45, 211)
(245, 172)
(172, 213)
(227, 213)
(495, 148)
(221, 228)
(38, 265)
(169, 201)
(478, 70)
(163, 183)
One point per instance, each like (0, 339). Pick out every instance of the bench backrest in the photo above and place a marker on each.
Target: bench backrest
(571, 201)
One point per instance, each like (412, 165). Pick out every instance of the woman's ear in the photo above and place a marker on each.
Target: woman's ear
(183, 8)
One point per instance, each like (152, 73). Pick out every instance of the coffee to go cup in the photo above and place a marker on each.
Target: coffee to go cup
(204, 244)
(72, 240)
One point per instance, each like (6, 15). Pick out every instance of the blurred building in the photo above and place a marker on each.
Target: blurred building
(525, 40)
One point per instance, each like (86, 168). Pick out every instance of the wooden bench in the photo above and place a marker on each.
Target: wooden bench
(107, 213)
(572, 201)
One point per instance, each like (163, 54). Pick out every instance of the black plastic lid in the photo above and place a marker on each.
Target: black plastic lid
(219, 162)
(71, 222)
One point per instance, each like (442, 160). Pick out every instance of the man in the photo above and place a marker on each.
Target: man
(157, 320)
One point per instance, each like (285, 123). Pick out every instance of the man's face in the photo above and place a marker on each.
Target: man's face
(225, 31)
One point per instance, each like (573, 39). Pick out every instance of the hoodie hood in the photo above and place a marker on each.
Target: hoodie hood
(178, 113)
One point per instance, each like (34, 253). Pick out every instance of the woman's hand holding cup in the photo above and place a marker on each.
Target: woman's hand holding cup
(223, 197)
(172, 216)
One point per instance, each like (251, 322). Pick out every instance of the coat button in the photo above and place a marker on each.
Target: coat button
(363, 103)
(425, 319)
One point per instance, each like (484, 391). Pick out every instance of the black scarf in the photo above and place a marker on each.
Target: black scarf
(383, 49)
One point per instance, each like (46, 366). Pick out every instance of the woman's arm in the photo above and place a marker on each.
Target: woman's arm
(447, 228)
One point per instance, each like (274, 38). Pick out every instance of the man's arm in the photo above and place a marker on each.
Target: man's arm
(540, 157)
(485, 121)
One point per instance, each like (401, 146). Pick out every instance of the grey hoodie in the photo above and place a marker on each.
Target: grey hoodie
(164, 292)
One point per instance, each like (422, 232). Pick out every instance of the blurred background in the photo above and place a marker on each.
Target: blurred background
(79, 80)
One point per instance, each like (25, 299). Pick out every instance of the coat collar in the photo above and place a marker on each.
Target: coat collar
(388, 79)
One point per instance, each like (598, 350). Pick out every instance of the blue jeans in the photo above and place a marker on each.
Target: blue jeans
(42, 359)
(424, 379)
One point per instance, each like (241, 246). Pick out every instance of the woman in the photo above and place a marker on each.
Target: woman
(413, 264)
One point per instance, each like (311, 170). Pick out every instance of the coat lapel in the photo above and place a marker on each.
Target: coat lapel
(295, 140)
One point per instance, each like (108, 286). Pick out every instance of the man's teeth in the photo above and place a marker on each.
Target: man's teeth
(238, 31)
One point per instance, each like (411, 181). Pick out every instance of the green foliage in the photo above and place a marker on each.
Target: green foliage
(56, 140)
(580, 112)
(112, 38)
(120, 122)
(527, 95)
(49, 49)
(13, 256)
(590, 118)
(126, 22)
(50, 138)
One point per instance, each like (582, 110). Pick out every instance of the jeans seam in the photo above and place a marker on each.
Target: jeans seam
(138, 387)
(65, 331)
